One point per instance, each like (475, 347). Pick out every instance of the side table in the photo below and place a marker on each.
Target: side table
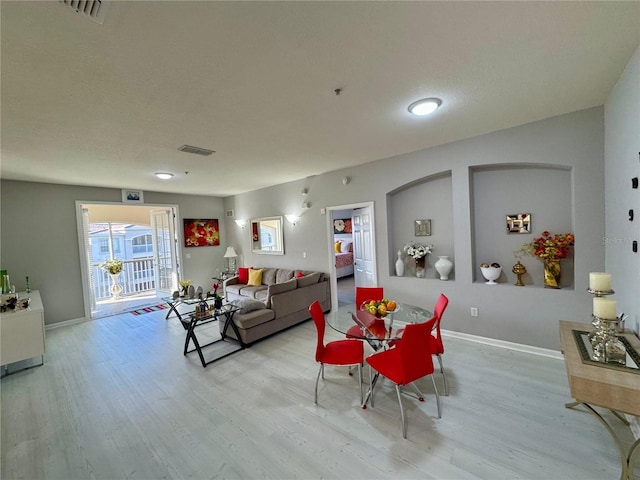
(224, 347)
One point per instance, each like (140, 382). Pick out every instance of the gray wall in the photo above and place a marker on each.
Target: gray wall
(622, 140)
(527, 315)
(39, 238)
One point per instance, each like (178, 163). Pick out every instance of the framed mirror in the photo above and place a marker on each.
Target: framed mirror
(266, 236)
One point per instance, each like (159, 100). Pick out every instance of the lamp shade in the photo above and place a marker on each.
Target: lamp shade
(230, 253)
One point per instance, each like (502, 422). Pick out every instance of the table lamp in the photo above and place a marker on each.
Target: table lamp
(231, 255)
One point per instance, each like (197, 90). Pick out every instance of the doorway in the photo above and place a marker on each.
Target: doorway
(359, 236)
(142, 239)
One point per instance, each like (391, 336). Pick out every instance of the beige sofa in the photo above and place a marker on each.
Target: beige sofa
(280, 301)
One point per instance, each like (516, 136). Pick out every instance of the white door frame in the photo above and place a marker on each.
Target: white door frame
(331, 247)
(84, 267)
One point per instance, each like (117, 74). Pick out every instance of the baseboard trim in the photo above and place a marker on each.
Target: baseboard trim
(543, 352)
(65, 323)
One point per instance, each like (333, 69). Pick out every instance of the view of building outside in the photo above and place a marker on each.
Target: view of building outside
(133, 245)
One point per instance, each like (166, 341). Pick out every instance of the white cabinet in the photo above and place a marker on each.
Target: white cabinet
(22, 331)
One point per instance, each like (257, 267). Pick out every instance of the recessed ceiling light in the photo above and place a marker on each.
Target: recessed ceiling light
(425, 106)
(164, 175)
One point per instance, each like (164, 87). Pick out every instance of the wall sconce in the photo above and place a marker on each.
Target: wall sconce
(293, 219)
(346, 180)
(241, 223)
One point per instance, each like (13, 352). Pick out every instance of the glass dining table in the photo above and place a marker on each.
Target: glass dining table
(377, 331)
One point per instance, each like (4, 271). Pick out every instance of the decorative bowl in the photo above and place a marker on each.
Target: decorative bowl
(491, 274)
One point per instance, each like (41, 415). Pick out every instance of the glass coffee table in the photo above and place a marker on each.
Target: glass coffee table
(220, 347)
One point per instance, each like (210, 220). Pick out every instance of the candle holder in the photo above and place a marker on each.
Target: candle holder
(607, 348)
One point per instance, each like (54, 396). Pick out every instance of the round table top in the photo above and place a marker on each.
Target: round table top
(375, 328)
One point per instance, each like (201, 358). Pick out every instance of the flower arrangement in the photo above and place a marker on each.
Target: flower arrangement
(549, 247)
(215, 287)
(185, 286)
(112, 266)
(417, 250)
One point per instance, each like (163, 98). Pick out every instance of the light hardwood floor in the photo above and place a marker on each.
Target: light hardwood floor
(117, 399)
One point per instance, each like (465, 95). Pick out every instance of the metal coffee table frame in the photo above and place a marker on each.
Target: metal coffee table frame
(192, 322)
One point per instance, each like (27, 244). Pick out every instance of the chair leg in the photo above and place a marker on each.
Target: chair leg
(315, 397)
(360, 382)
(371, 385)
(437, 395)
(420, 395)
(444, 377)
(404, 426)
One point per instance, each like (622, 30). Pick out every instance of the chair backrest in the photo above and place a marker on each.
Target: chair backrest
(368, 293)
(414, 363)
(318, 319)
(438, 311)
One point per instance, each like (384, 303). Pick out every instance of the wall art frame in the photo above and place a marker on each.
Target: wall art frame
(201, 232)
(518, 223)
(423, 228)
(132, 196)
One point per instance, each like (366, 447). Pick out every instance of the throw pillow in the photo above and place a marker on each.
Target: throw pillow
(243, 274)
(248, 305)
(299, 274)
(255, 277)
(337, 246)
(345, 247)
(309, 279)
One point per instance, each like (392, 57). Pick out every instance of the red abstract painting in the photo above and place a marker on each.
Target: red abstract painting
(201, 232)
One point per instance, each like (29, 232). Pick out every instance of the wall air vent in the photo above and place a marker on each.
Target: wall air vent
(196, 150)
(94, 9)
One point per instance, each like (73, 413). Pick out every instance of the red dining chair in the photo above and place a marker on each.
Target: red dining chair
(362, 294)
(435, 345)
(337, 352)
(405, 363)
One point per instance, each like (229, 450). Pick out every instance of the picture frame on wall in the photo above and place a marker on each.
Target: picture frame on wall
(423, 228)
(132, 196)
(519, 223)
(201, 232)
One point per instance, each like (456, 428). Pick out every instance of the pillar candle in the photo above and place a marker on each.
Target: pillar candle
(604, 308)
(600, 281)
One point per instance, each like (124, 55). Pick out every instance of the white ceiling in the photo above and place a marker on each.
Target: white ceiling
(109, 105)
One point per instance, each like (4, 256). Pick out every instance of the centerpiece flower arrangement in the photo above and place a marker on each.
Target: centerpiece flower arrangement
(217, 299)
(418, 251)
(551, 249)
(185, 286)
(112, 266)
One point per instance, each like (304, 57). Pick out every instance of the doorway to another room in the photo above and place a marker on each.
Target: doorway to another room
(352, 240)
(129, 257)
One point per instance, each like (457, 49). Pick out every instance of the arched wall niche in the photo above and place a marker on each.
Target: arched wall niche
(427, 198)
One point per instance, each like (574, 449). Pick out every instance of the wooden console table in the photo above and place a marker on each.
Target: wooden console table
(614, 389)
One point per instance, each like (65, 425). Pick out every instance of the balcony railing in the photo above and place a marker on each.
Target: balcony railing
(138, 276)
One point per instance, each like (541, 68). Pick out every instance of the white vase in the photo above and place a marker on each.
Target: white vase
(399, 265)
(443, 266)
(115, 289)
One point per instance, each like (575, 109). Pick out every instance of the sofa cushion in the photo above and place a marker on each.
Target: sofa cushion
(252, 291)
(255, 277)
(283, 275)
(308, 279)
(269, 276)
(248, 305)
(251, 319)
(262, 295)
(234, 288)
(243, 274)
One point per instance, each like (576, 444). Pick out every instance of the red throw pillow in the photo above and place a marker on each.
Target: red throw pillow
(299, 274)
(243, 274)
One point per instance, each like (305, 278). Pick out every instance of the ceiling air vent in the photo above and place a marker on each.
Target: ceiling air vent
(94, 9)
(196, 150)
